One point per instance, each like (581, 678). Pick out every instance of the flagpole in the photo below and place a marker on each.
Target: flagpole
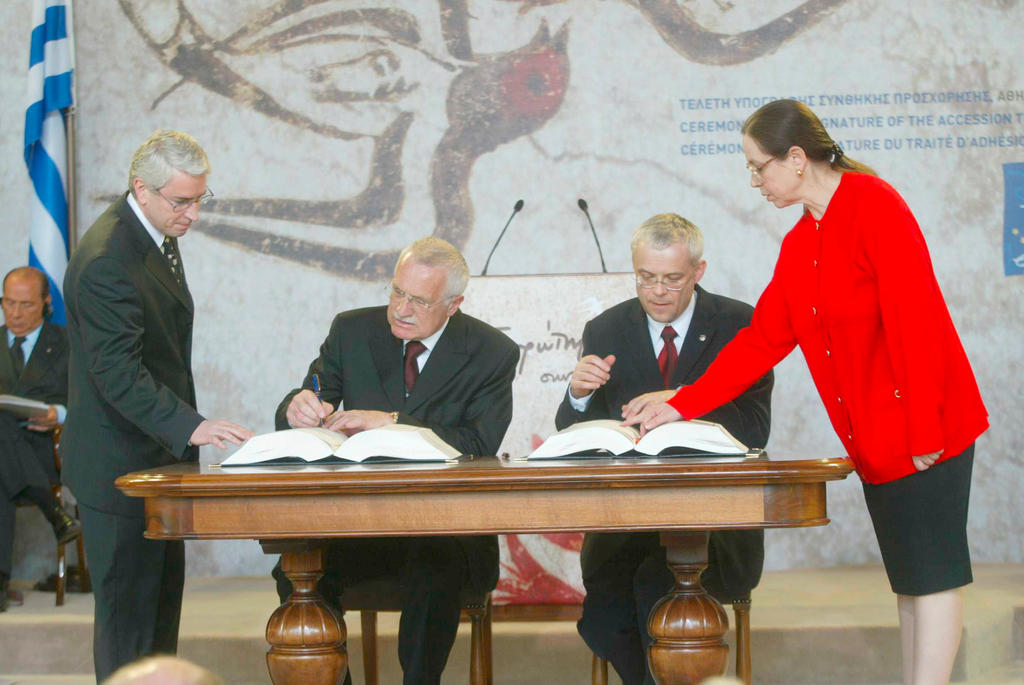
(69, 126)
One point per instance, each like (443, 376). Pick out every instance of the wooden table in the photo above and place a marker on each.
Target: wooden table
(290, 509)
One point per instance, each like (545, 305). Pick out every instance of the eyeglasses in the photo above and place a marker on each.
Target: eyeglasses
(417, 303)
(648, 281)
(179, 206)
(755, 170)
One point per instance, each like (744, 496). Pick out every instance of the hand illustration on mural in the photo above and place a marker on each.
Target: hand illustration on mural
(364, 76)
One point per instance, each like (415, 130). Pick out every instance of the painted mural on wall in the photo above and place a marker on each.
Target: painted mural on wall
(350, 73)
(346, 72)
(339, 131)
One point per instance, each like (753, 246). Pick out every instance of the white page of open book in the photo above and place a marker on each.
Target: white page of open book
(699, 435)
(408, 442)
(588, 435)
(308, 443)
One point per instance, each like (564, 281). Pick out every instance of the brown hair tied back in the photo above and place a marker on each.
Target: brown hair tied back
(834, 154)
(783, 124)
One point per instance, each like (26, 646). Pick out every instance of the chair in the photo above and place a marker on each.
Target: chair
(85, 582)
(741, 612)
(383, 594)
(58, 581)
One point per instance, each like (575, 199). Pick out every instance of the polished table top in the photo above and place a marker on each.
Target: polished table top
(485, 495)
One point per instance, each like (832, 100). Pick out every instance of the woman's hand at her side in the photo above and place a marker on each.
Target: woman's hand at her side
(925, 461)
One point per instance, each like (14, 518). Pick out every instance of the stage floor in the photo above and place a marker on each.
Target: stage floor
(831, 625)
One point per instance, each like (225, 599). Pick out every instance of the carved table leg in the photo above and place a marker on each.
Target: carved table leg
(687, 626)
(307, 638)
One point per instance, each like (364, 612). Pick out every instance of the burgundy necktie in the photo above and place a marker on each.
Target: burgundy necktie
(667, 358)
(413, 349)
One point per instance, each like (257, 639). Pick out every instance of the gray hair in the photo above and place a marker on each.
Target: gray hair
(663, 230)
(163, 153)
(437, 252)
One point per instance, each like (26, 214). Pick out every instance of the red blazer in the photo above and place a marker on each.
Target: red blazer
(856, 291)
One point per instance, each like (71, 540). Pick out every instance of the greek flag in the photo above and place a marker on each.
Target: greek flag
(49, 93)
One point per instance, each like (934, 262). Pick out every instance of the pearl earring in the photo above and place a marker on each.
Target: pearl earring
(799, 172)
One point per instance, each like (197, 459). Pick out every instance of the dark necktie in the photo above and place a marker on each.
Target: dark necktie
(17, 354)
(667, 358)
(413, 349)
(172, 258)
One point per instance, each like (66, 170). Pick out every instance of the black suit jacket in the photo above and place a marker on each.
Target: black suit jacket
(464, 393)
(131, 403)
(622, 330)
(45, 376)
(44, 379)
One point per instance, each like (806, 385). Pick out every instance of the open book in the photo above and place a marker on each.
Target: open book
(605, 437)
(318, 445)
(22, 406)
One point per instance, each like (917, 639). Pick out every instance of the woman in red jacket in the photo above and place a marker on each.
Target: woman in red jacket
(855, 289)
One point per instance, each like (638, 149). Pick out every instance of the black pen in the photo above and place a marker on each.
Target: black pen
(316, 391)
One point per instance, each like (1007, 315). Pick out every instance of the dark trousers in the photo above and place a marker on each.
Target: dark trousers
(26, 471)
(620, 597)
(629, 579)
(137, 584)
(431, 572)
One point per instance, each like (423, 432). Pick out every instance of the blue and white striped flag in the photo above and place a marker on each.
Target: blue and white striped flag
(49, 93)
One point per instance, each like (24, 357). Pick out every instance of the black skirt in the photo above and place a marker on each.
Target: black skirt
(921, 525)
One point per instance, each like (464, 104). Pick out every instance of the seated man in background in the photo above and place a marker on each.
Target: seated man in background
(636, 352)
(417, 361)
(33, 365)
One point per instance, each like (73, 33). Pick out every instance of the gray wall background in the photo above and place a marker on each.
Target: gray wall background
(443, 114)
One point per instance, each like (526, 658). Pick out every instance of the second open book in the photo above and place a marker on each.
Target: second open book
(397, 442)
(605, 437)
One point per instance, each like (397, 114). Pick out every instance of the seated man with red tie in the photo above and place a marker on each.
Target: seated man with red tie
(33, 365)
(636, 352)
(417, 361)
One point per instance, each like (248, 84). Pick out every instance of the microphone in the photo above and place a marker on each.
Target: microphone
(583, 205)
(515, 210)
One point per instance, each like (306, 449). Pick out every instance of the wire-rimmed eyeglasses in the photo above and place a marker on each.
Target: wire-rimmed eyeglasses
(397, 295)
(179, 206)
(756, 169)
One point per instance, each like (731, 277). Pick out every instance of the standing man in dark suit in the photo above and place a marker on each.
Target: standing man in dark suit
(636, 352)
(422, 362)
(132, 402)
(35, 366)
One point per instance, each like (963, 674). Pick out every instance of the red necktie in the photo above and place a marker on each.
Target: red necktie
(667, 358)
(413, 349)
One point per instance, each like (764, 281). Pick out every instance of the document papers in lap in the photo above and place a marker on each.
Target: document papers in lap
(319, 445)
(22, 406)
(603, 438)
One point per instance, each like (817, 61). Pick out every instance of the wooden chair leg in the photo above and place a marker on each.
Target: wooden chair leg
(488, 650)
(85, 581)
(744, 671)
(62, 570)
(599, 671)
(477, 658)
(368, 624)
